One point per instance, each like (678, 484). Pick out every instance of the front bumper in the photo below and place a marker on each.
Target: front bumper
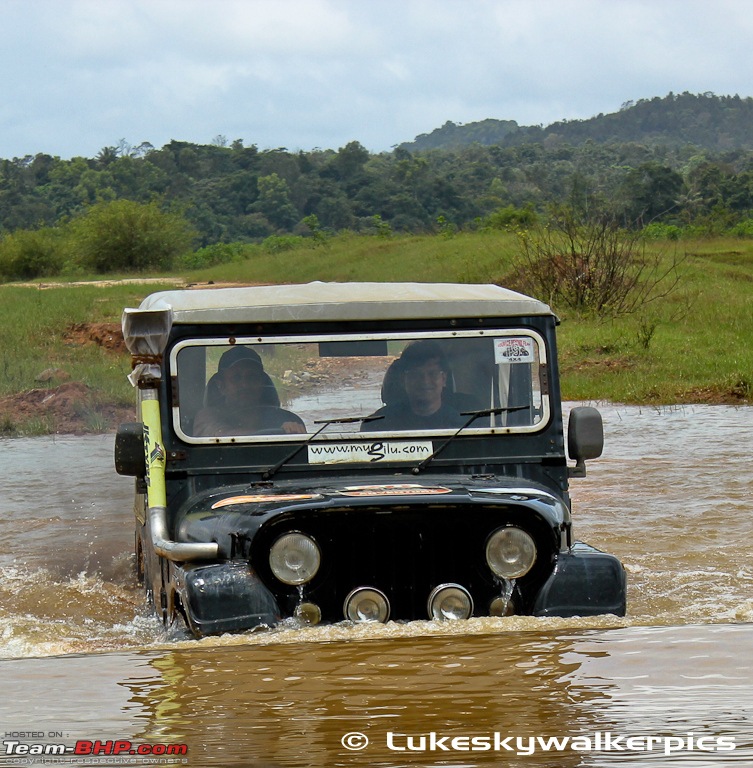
(224, 597)
(230, 597)
(584, 582)
(401, 549)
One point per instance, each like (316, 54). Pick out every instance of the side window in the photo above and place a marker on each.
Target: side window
(191, 384)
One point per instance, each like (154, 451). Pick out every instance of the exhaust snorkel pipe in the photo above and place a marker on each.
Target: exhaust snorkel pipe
(156, 495)
(146, 333)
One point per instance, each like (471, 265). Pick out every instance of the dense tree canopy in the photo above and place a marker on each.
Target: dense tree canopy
(675, 160)
(717, 123)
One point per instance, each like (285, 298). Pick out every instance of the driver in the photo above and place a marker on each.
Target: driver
(247, 401)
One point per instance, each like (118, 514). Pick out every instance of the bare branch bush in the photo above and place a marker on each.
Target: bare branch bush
(593, 266)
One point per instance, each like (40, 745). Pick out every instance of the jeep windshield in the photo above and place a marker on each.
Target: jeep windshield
(376, 385)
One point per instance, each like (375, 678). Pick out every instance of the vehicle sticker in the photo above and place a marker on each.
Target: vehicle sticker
(405, 489)
(515, 349)
(347, 453)
(262, 498)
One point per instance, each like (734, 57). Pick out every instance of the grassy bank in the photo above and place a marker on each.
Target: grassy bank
(692, 347)
(40, 350)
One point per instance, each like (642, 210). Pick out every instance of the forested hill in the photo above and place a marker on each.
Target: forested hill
(715, 123)
(679, 161)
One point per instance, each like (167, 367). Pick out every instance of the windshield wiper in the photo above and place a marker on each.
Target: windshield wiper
(474, 415)
(267, 474)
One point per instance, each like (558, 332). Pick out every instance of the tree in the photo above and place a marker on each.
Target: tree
(126, 236)
(650, 191)
(274, 201)
(335, 213)
(107, 155)
(347, 165)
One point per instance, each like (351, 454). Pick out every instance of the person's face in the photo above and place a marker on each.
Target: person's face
(242, 383)
(424, 385)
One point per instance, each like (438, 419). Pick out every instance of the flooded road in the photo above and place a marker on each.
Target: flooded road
(671, 684)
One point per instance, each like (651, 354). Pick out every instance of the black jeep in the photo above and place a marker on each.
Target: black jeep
(356, 451)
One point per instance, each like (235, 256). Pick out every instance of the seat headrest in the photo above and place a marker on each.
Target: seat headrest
(213, 396)
(393, 391)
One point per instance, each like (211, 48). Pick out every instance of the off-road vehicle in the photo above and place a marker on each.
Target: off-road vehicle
(356, 452)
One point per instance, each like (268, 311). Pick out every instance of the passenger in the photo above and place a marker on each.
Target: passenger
(417, 397)
(245, 401)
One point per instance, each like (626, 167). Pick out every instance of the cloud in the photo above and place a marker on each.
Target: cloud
(82, 74)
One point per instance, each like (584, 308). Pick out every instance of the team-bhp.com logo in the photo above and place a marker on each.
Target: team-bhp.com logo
(94, 748)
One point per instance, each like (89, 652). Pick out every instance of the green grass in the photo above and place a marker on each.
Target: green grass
(473, 257)
(33, 325)
(700, 346)
(692, 347)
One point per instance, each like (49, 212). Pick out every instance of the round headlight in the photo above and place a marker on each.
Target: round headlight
(294, 558)
(510, 552)
(502, 606)
(309, 613)
(449, 602)
(367, 604)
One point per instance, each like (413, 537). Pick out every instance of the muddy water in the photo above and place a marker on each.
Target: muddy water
(671, 496)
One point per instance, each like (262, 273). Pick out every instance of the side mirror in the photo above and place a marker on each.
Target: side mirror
(130, 458)
(585, 437)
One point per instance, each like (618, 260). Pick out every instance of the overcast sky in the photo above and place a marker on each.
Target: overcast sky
(79, 75)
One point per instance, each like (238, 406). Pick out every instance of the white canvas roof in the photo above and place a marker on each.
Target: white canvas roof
(342, 302)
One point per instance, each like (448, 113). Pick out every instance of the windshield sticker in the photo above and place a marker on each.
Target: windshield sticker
(347, 453)
(518, 349)
(261, 498)
(405, 489)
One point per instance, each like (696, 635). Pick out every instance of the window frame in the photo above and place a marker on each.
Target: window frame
(314, 338)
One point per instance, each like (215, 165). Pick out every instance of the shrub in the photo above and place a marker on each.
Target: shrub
(511, 219)
(210, 255)
(28, 254)
(743, 228)
(656, 230)
(126, 236)
(593, 266)
(279, 243)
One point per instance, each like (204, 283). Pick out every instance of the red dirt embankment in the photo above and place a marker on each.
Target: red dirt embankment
(63, 406)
